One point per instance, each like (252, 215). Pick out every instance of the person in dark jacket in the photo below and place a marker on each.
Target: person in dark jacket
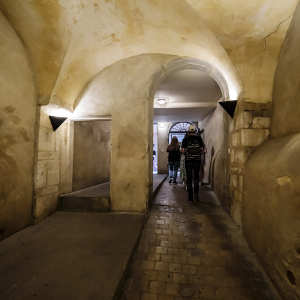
(192, 146)
(174, 158)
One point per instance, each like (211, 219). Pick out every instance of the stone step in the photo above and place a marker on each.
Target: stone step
(93, 199)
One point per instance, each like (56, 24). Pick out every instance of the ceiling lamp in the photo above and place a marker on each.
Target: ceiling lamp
(161, 101)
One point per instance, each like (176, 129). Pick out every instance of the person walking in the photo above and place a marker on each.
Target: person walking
(182, 167)
(174, 158)
(192, 147)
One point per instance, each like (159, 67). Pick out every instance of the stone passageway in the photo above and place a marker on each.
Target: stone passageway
(193, 251)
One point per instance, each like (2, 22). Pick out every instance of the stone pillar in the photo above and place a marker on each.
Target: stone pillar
(53, 165)
(163, 141)
(249, 128)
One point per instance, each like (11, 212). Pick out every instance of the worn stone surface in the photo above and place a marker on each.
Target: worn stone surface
(17, 119)
(250, 129)
(261, 122)
(243, 120)
(236, 139)
(271, 210)
(93, 199)
(194, 251)
(112, 30)
(285, 110)
(92, 153)
(46, 205)
(53, 165)
(272, 179)
(69, 256)
(131, 132)
(252, 138)
(215, 137)
(163, 129)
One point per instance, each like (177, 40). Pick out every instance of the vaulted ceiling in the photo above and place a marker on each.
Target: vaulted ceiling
(70, 41)
(191, 95)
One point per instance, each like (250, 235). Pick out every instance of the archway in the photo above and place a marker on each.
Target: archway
(131, 110)
(202, 87)
(179, 129)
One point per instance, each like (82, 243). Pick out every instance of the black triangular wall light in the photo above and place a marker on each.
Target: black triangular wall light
(229, 107)
(56, 121)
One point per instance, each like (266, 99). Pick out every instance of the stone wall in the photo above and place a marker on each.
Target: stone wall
(271, 207)
(249, 129)
(163, 142)
(92, 153)
(125, 92)
(17, 122)
(215, 129)
(53, 166)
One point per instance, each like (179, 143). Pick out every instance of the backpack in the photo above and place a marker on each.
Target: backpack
(193, 147)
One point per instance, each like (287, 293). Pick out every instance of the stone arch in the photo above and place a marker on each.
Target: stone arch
(190, 63)
(131, 109)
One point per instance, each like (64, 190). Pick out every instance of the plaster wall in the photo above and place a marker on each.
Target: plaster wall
(46, 28)
(84, 32)
(122, 29)
(92, 153)
(252, 34)
(53, 164)
(216, 128)
(163, 142)
(271, 208)
(17, 124)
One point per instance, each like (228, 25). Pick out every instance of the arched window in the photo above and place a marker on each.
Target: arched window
(179, 130)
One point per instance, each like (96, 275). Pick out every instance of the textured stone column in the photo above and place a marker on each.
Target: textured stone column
(53, 165)
(249, 128)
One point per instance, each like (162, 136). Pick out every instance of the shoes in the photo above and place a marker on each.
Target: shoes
(186, 187)
(175, 182)
(190, 200)
(196, 196)
(170, 181)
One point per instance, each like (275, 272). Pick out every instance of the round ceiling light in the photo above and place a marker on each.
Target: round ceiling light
(161, 101)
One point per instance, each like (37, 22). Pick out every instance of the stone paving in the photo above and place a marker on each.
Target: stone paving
(193, 251)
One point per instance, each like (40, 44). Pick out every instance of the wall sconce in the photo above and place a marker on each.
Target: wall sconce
(56, 121)
(229, 107)
(162, 124)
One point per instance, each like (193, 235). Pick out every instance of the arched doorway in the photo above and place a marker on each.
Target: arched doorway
(179, 130)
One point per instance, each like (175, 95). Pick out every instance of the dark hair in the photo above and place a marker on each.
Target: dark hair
(174, 145)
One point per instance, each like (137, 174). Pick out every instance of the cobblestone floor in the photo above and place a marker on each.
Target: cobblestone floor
(193, 251)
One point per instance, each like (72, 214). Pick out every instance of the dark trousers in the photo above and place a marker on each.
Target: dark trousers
(191, 165)
(174, 165)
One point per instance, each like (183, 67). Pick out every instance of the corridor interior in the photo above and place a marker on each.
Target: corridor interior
(91, 91)
(194, 251)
